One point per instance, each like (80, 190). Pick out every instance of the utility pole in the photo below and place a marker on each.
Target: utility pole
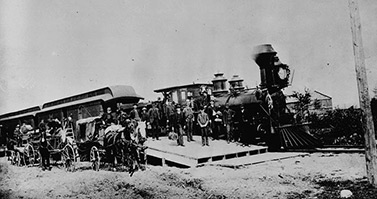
(362, 85)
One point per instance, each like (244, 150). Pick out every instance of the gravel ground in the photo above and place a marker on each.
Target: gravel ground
(319, 175)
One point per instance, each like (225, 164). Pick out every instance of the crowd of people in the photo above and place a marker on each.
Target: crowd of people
(209, 121)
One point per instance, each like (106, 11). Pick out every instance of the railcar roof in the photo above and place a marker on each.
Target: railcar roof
(182, 86)
(20, 113)
(114, 92)
(19, 116)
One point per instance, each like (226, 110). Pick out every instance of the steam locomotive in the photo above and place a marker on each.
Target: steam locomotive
(272, 122)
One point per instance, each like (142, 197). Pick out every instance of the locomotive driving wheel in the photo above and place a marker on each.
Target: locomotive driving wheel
(95, 158)
(68, 157)
(29, 155)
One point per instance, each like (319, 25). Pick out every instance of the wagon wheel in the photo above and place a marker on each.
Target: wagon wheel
(18, 158)
(39, 158)
(29, 155)
(12, 158)
(95, 158)
(68, 157)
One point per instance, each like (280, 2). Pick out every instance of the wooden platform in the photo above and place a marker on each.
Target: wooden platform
(255, 159)
(194, 154)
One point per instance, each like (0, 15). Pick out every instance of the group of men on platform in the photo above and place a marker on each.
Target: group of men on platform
(207, 120)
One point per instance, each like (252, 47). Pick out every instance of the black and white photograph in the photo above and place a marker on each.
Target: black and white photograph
(208, 99)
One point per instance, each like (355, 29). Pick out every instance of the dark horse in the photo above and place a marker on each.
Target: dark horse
(121, 149)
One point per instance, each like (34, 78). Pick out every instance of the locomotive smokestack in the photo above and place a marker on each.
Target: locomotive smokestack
(264, 57)
(274, 75)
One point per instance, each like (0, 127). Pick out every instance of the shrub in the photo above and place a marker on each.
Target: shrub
(339, 127)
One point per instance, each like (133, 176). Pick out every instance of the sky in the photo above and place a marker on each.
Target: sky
(50, 49)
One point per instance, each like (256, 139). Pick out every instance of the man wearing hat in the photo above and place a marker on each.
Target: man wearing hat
(134, 114)
(211, 112)
(179, 121)
(203, 121)
(154, 118)
(189, 119)
(17, 134)
(145, 119)
(228, 119)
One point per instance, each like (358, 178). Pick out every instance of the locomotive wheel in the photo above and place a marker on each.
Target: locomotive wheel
(29, 155)
(68, 158)
(95, 158)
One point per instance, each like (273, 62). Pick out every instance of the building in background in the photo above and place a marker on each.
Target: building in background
(320, 103)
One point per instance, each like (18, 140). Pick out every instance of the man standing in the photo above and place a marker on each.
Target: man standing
(179, 121)
(154, 118)
(203, 121)
(45, 154)
(134, 114)
(189, 117)
(218, 124)
(211, 112)
(228, 122)
(244, 130)
(169, 115)
(17, 134)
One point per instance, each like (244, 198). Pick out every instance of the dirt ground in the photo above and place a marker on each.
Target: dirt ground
(289, 178)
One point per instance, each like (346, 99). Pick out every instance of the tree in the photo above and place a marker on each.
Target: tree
(302, 105)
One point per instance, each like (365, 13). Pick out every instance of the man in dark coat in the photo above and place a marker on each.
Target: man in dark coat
(134, 114)
(154, 118)
(179, 122)
(169, 115)
(45, 154)
(109, 117)
(228, 119)
(211, 112)
(244, 126)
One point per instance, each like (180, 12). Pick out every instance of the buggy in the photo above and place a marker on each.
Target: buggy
(115, 145)
(59, 144)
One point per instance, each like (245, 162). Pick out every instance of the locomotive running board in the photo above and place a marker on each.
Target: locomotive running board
(297, 137)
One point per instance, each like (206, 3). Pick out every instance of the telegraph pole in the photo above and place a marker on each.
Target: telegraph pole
(362, 85)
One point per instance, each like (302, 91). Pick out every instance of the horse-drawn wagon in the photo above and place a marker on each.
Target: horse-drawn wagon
(116, 145)
(24, 149)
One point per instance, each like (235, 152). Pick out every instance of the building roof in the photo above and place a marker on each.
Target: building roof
(319, 95)
(182, 86)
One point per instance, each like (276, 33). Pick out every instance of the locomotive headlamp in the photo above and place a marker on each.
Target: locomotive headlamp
(283, 73)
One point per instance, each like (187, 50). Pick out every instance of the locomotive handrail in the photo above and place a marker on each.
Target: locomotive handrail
(269, 115)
